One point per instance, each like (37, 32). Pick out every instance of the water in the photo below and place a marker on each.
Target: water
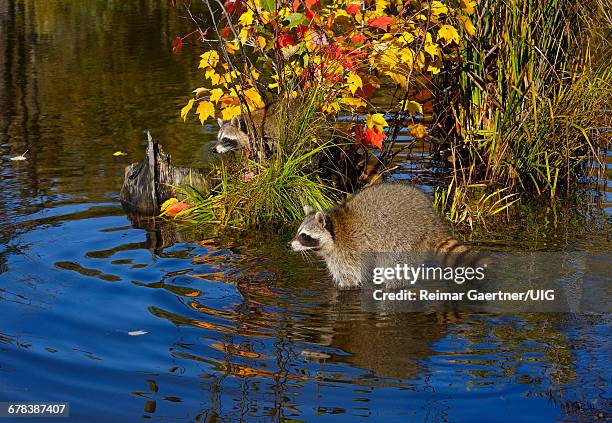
(236, 328)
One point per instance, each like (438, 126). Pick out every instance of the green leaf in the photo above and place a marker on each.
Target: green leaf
(268, 5)
(294, 19)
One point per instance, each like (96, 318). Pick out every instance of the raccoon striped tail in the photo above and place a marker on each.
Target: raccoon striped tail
(452, 253)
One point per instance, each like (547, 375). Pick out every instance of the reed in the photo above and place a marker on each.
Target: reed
(533, 95)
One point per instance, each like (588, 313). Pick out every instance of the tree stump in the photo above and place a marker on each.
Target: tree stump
(150, 182)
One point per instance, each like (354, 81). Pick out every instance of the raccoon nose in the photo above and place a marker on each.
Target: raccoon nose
(213, 149)
(289, 244)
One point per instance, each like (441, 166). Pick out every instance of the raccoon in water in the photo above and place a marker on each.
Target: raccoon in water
(390, 218)
(233, 134)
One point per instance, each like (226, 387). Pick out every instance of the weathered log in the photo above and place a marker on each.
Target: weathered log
(150, 182)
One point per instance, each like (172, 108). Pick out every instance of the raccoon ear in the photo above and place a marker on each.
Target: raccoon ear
(320, 218)
(220, 122)
(235, 122)
(308, 209)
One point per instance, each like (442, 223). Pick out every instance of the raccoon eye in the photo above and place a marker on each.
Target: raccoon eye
(307, 239)
(227, 141)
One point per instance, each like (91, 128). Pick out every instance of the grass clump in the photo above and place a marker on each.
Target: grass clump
(253, 192)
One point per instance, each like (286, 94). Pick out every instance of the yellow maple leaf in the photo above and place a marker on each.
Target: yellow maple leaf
(246, 18)
(353, 102)
(433, 68)
(261, 41)
(468, 6)
(376, 121)
(438, 8)
(406, 38)
(381, 5)
(244, 35)
(209, 59)
(414, 108)
(430, 47)
(264, 17)
(331, 108)
(205, 110)
(186, 109)
(213, 76)
(341, 13)
(284, 12)
(397, 77)
(232, 76)
(420, 60)
(449, 33)
(467, 25)
(354, 82)
(407, 56)
(119, 153)
(255, 74)
(253, 98)
(418, 131)
(231, 47)
(215, 94)
(230, 112)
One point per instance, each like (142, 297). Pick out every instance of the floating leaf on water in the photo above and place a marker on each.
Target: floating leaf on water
(119, 153)
(20, 157)
(137, 333)
(173, 206)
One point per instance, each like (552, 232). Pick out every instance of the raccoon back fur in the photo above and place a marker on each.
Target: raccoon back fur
(386, 218)
(233, 135)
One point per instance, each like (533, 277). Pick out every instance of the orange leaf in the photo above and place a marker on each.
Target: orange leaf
(353, 9)
(359, 38)
(381, 22)
(374, 138)
(311, 3)
(176, 208)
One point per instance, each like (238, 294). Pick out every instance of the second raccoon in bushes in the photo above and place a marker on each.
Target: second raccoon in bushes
(386, 218)
(233, 136)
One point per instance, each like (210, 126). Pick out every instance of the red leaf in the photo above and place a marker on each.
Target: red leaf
(296, 5)
(177, 207)
(353, 9)
(358, 39)
(381, 22)
(312, 3)
(225, 32)
(177, 45)
(302, 30)
(235, 7)
(368, 87)
(310, 15)
(285, 40)
(374, 138)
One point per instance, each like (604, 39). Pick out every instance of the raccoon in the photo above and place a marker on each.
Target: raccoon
(387, 217)
(233, 134)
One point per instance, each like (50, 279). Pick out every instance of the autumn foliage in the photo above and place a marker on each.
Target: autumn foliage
(350, 50)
